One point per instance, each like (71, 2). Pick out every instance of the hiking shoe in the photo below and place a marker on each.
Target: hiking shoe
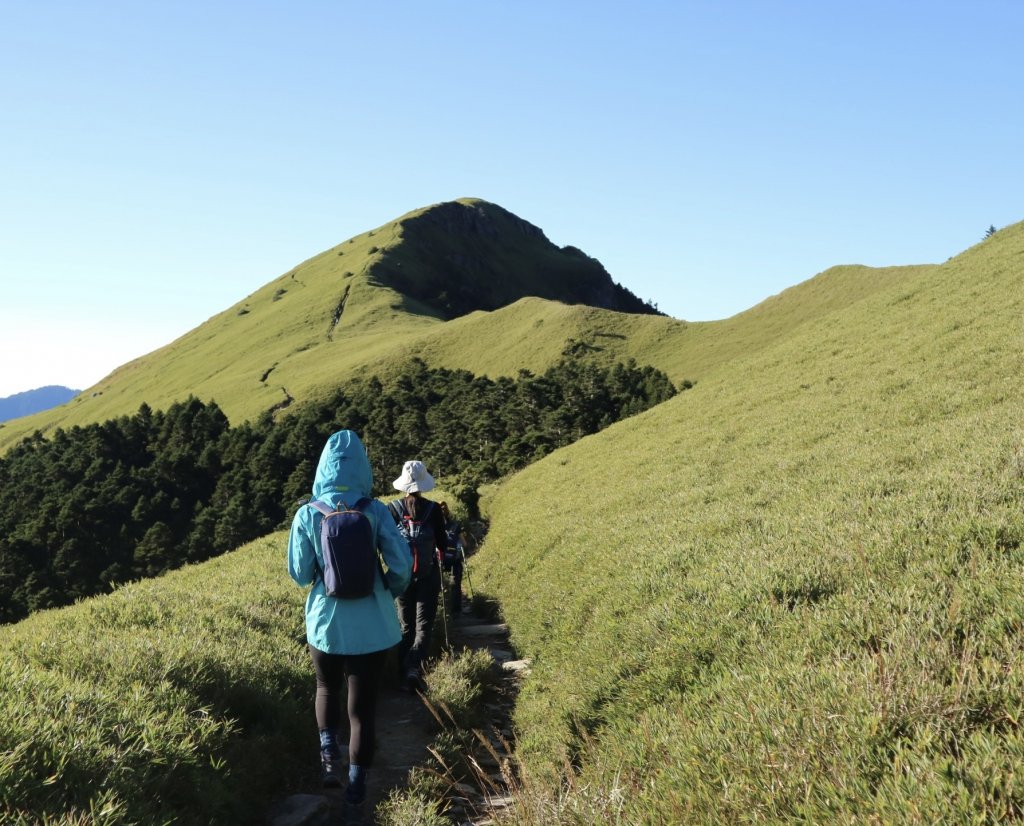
(356, 791)
(332, 772)
(412, 679)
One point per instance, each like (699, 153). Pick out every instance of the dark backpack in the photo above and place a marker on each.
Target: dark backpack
(451, 551)
(350, 556)
(419, 533)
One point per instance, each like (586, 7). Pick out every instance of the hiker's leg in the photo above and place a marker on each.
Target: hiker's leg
(407, 619)
(428, 589)
(363, 680)
(330, 683)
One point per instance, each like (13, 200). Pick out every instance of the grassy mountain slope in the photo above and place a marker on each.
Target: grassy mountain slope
(329, 318)
(177, 699)
(340, 311)
(534, 332)
(279, 340)
(795, 591)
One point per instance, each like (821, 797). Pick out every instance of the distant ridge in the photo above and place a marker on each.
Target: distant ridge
(34, 401)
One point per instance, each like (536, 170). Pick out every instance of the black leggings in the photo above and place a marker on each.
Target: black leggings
(417, 609)
(361, 672)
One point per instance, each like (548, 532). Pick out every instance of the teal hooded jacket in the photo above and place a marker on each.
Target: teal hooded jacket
(348, 626)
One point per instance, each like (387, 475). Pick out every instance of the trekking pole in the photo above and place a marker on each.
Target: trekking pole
(444, 610)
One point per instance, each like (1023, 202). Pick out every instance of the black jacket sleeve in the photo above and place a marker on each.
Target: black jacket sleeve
(440, 528)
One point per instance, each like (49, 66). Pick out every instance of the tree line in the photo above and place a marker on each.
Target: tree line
(102, 504)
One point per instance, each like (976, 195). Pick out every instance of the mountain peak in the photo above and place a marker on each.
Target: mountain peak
(475, 216)
(459, 256)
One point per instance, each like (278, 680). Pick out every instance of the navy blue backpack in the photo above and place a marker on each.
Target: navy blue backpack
(351, 561)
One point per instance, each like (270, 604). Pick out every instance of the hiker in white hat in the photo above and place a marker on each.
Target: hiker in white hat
(422, 524)
(414, 478)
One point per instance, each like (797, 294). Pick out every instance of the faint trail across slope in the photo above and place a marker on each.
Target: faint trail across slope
(338, 310)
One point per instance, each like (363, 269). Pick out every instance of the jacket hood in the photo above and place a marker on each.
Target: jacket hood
(344, 468)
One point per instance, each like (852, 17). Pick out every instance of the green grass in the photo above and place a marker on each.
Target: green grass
(182, 699)
(534, 332)
(793, 593)
(456, 684)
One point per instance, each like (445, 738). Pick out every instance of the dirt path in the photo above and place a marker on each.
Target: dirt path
(405, 729)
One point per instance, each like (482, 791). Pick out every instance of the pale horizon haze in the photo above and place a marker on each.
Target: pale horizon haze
(163, 161)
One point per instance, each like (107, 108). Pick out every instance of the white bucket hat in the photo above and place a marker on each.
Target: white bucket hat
(414, 478)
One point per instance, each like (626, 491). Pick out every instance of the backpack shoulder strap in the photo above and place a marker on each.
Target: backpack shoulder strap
(397, 508)
(323, 507)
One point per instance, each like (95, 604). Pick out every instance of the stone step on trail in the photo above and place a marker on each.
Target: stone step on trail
(493, 629)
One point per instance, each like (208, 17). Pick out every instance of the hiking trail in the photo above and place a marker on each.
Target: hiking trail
(406, 728)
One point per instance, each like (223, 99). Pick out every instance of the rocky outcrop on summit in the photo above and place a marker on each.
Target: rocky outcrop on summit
(468, 255)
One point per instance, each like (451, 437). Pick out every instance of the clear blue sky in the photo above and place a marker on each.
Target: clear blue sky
(163, 160)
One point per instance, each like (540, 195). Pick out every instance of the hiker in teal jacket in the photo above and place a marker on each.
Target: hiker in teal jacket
(348, 638)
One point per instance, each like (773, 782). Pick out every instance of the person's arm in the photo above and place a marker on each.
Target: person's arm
(394, 550)
(440, 530)
(302, 561)
(393, 510)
